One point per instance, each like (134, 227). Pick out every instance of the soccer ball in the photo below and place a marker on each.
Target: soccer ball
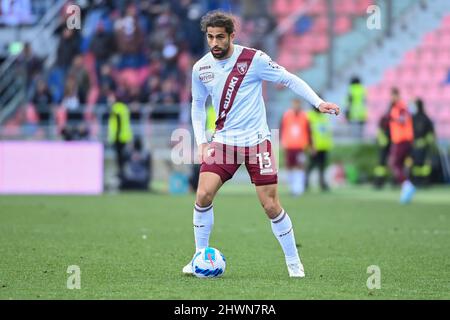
(208, 263)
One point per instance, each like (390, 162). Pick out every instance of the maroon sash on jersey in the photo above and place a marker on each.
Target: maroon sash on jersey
(232, 85)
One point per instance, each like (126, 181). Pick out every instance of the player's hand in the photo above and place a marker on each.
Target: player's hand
(328, 107)
(203, 151)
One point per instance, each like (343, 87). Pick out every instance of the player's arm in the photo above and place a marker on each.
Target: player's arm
(198, 113)
(271, 71)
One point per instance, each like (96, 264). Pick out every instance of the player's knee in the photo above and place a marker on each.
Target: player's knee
(204, 197)
(271, 207)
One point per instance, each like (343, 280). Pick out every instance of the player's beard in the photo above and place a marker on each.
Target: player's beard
(223, 52)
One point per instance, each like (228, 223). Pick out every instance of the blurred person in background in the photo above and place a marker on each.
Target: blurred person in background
(380, 172)
(356, 112)
(295, 138)
(321, 144)
(102, 46)
(130, 39)
(137, 167)
(70, 114)
(119, 133)
(30, 64)
(42, 101)
(402, 136)
(80, 74)
(68, 48)
(424, 141)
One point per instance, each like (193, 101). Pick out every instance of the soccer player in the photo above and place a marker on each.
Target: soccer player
(232, 75)
(402, 137)
(295, 138)
(383, 145)
(424, 140)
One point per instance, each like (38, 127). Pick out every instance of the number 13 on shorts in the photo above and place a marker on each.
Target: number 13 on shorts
(265, 163)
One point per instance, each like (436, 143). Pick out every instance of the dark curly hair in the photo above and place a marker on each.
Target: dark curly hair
(218, 18)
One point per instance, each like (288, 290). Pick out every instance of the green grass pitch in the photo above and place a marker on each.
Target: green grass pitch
(133, 246)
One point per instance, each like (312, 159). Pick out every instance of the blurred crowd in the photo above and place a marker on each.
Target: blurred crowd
(136, 52)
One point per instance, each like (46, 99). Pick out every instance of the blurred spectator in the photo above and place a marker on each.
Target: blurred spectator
(133, 98)
(70, 115)
(42, 101)
(190, 13)
(68, 48)
(79, 73)
(75, 132)
(31, 64)
(424, 140)
(106, 77)
(106, 83)
(356, 111)
(119, 133)
(151, 93)
(137, 167)
(169, 92)
(322, 142)
(102, 46)
(71, 101)
(130, 39)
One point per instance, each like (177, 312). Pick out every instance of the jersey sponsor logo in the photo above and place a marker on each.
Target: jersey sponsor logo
(229, 94)
(242, 67)
(206, 77)
(204, 68)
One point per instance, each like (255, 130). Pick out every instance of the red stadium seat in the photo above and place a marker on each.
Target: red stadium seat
(362, 5)
(321, 44)
(281, 7)
(345, 7)
(342, 24)
(318, 7)
(446, 22)
(320, 24)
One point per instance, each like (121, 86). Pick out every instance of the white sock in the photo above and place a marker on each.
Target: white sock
(203, 222)
(283, 231)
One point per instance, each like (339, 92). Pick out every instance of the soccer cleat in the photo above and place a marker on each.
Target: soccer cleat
(187, 269)
(296, 270)
(408, 191)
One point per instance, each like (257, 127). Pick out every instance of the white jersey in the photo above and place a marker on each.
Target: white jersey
(235, 86)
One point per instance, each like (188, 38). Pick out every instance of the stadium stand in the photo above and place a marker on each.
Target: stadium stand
(421, 73)
(414, 56)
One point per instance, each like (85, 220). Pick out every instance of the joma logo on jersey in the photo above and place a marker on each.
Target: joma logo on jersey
(204, 68)
(242, 67)
(206, 77)
(230, 90)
